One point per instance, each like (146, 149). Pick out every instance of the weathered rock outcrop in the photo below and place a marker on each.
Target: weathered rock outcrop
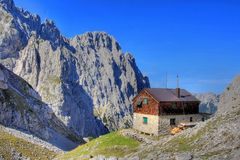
(230, 99)
(87, 80)
(209, 102)
(21, 108)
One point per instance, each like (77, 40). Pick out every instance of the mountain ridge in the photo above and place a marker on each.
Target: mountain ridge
(87, 80)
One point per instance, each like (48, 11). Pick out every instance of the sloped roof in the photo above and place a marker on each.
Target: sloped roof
(168, 95)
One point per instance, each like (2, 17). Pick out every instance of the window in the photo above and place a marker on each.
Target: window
(203, 119)
(145, 101)
(139, 104)
(172, 121)
(190, 119)
(145, 120)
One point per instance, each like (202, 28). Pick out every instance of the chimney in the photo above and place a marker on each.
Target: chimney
(178, 89)
(178, 92)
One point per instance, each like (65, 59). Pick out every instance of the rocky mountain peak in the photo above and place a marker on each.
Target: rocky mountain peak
(50, 32)
(129, 56)
(97, 40)
(16, 26)
(50, 25)
(87, 81)
(7, 3)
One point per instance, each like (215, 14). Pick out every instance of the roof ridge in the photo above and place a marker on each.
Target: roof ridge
(169, 94)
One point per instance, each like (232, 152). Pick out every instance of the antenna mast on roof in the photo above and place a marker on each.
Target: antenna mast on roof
(166, 79)
(177, 81)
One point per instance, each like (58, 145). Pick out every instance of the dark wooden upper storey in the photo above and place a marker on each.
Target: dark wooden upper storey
(160, 101)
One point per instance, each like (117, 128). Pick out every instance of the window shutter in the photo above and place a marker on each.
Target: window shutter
(145, 101)
(145, 120)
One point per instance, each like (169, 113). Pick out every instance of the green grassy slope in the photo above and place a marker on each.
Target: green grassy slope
(10, 143)
(112, 144)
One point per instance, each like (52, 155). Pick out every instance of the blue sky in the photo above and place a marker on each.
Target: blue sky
(199, 40)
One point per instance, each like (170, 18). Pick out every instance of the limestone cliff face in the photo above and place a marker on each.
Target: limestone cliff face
(209, 102)
(230, 99)
(21, 108)
(86, 80)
